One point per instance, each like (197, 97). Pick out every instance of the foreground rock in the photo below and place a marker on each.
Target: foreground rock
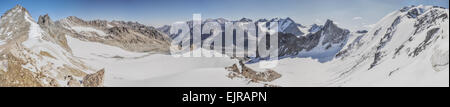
(94, 80)
(252, 75)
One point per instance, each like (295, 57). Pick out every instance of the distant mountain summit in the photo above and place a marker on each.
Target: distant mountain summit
(322, 44)
(295, 40)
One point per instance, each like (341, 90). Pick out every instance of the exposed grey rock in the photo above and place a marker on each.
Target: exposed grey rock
(413, 13)
(429, 19)
(246, 20)
(45, 20)
(428, 39)
(49, 47)
(252, 75)
(314, 28)
(362, 31)
(384, 40)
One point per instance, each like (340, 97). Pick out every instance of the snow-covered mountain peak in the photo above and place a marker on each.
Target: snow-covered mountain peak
(262, 20)
(218, 20)
(73, 18)
(245, 20)
(288, 25)
(330, 26)
(36, 54)
(17, 10)
(403, 46)
(329, 22)
(12, 22)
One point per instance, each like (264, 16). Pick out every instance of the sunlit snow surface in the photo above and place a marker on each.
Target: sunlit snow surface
(138, 69)
(81, 29)
(124, 68)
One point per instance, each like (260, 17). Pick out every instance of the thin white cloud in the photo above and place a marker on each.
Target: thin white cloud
(357, 18)
(335, 22)
(369, 26)
(318, 21)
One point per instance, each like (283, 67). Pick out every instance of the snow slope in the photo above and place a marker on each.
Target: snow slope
(409, 47)
(36, 56)
(81, 29)
(140, 69)
(402, 49)
(396, 53)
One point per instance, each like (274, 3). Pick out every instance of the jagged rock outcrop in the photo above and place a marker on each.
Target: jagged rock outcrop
(362, 31)
(325, 43)
(250, 74)
(94, 80)
(55, 31)
(45, 20)
(33, 55)
(130, 36)
(288, 26)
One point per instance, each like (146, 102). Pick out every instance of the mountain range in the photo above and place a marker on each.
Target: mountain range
(408, 47)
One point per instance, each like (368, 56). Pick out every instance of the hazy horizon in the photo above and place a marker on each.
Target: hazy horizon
(350, 14)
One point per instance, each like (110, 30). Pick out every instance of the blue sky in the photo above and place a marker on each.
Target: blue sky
(351, 14)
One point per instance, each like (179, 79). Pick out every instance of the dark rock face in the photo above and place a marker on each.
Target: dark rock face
(362, 31)
(333, 34)
(118, 30)
(385, 39)
(413, 13)
(429, 19)
(45, 20)
(428, 40)
(290, 45)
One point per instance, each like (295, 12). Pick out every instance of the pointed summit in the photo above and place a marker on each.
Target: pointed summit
(73, 18)
(45, 20)
(17, 11)
(245, 20)
(16, 21)
(262, 20)
(288, 18)
(330, 24)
